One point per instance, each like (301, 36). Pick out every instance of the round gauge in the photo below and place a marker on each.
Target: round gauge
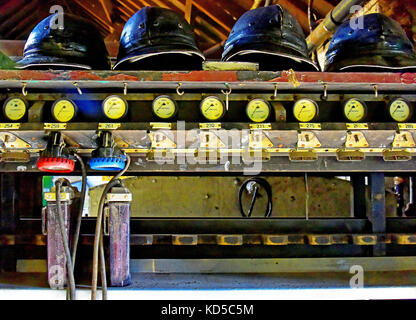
(400, 110)
(64, 110)
(115, 107)
(164, 107)
(305, 110)
(355, 110)
(14, 108)
(212, 108)
(258, 110)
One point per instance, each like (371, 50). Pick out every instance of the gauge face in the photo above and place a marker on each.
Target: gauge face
(355, 110)
(258, 110)
(64, 110)
(164, 107)
(212, 108)
(14, 108)
(305, 110)
(400, 110)
(114, 107)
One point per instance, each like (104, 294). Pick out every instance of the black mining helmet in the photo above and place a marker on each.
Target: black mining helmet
(158, 39)
(270, 36)
(77, 44)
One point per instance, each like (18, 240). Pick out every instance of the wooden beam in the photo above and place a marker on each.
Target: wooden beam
(108, 9)
(127, 10)
(321, 7)
(207, 27)
(218, 15)
(188, 10)
(91, 9)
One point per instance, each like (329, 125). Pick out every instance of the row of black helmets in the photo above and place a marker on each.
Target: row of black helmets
(160, 39)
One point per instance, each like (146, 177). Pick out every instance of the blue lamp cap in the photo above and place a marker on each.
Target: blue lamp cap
(108, 164)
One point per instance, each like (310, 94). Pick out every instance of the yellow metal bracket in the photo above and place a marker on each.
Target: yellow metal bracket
(403, 139)
(356, 139)
(399, 151)
(209, 140)
(259, 140)
(303, 155)
(160, 140)
(308, 140)
(13, 142)
(15, 156)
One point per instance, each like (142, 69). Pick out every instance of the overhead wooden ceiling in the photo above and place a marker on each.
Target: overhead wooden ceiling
(212, 19)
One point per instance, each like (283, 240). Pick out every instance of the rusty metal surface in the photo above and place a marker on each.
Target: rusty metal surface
(233, 152)
(119, 230)
(237, 80)
(275, 166)
(56, 257)
(120, 273)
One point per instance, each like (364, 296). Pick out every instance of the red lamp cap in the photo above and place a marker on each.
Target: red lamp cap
(54, 164)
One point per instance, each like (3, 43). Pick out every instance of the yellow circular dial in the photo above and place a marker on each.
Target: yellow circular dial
(114, 107)
(400, 110)
(355, 110)
(14, 108)
(305, 110)
(258, 110)
(212, 108)
(64, 110)
(164, 107)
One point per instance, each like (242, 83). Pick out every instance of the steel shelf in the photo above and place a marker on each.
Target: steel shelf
(202, 80)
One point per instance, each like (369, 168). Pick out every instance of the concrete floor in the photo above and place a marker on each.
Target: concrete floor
(177, 281)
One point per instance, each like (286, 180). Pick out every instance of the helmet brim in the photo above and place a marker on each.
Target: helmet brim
(47, 62)
(375, 63)
(286, 58)
(142, 57)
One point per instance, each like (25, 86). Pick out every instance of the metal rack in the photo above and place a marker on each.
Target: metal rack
(357, 236)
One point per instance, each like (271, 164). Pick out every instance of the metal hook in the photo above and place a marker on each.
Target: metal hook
(325, 90)
(228, 88)
(78, 88)
(375, 90)
(275, 90)
(24, 92)
(180, 93)
(125, 88)
(227, 93)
